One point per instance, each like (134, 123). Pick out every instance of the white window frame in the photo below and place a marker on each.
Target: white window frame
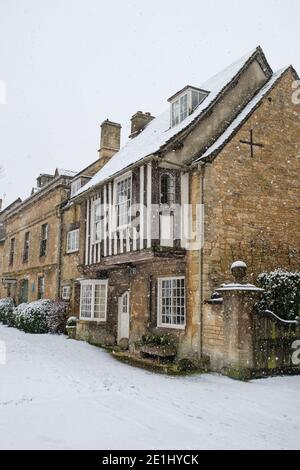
(93, 283)
(178, 104)
(159, 303)
(118, 180)
(76, 185)
(95, 203)
(66, 292)
(73, 236)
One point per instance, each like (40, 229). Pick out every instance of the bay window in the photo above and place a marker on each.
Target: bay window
(93, 300)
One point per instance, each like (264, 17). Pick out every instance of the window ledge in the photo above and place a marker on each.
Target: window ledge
(172, 327)
(92, 320)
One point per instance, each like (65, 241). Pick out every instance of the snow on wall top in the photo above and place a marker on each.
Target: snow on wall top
(63, 172)
(158, 132)
(243, 115)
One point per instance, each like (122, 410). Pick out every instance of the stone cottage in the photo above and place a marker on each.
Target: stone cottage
(215, 178)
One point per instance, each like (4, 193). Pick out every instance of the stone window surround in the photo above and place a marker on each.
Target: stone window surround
(66, 292)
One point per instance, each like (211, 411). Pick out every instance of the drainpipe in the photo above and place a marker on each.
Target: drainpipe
(60, 251)
(201, 168)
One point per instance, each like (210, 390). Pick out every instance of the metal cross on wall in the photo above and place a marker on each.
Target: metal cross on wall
(251, 143)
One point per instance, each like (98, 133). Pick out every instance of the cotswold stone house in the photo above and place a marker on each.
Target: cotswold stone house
(141, 238)
(213, 179)
(31, 262)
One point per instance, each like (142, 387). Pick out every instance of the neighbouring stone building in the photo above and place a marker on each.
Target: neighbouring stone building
(150, 230)
(31, 262)
(3, 214)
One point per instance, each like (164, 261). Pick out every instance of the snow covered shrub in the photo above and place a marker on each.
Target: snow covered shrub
(7, 311)
(32, 317)
(42, 316)
(282, 293)
(57, 317)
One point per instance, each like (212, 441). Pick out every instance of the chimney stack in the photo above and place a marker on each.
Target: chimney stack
(43, 179)
(138, 122)
(110, 139)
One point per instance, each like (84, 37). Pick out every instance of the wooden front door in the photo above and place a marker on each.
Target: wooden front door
(123, 316)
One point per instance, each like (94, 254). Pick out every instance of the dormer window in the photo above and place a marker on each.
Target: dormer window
(179, 109)
(75, 186)
(185, 102)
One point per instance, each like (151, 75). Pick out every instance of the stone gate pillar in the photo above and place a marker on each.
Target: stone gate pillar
(239, 300)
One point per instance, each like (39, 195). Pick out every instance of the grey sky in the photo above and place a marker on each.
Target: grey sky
(70, 64)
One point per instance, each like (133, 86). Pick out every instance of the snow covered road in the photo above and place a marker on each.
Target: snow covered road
(57, 393)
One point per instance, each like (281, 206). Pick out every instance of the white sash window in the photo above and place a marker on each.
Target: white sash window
(73, 241)
(97, 220)
(123, 201)
(171, 302)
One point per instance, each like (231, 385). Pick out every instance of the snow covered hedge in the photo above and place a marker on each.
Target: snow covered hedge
(32, 317)
(7, 311)
(41, 316)
(282, 293)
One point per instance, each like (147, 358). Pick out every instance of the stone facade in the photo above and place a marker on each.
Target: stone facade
(20, 273)
(250, 205)
(248, 196)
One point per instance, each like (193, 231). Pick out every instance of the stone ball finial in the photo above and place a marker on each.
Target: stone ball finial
(238, 271)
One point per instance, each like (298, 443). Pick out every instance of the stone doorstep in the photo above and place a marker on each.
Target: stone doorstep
(150, 364)
(161, 352)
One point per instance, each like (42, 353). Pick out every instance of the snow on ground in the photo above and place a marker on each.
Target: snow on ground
(57, 393)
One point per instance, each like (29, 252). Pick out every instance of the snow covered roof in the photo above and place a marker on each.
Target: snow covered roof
(62, 172)
(221, 141)
(158, 132)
